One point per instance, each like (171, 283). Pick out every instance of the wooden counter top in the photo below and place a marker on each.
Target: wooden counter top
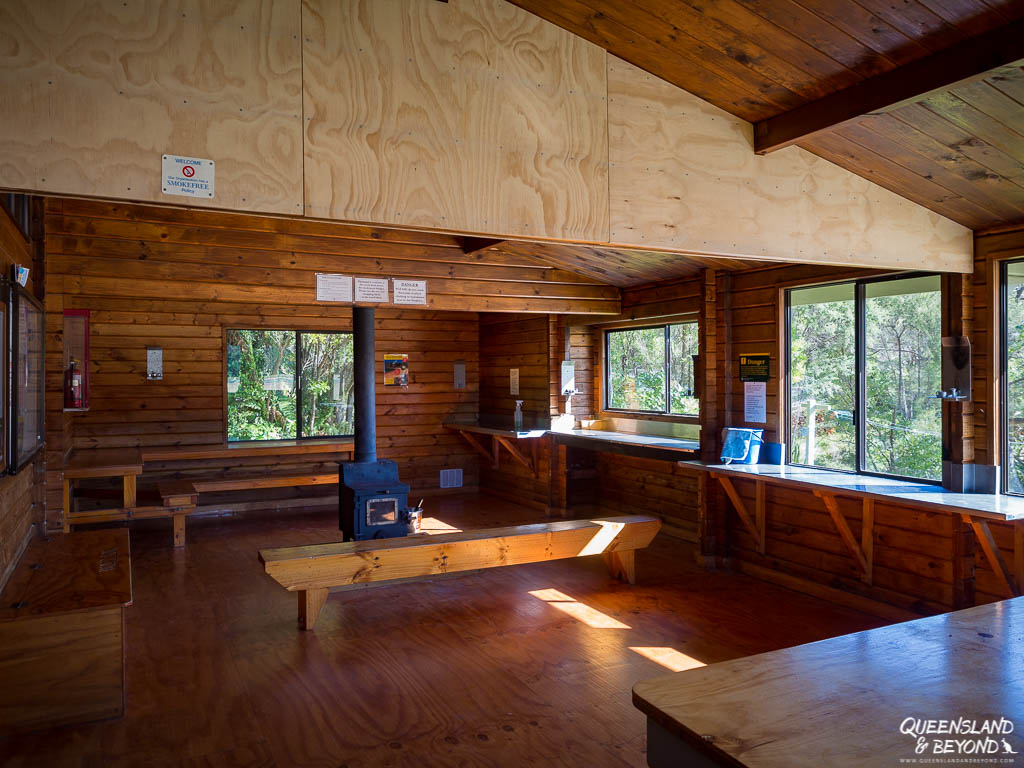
(935, 498)
(238, 450)
(841, 702)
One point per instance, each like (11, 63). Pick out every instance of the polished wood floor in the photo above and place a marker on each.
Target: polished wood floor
(524, 666)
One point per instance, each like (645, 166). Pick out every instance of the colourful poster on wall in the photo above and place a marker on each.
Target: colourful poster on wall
(396, 370)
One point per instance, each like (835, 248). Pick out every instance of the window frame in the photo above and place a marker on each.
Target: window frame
(860, 366)
(606, 377)
(297, 388)
(1003, 427)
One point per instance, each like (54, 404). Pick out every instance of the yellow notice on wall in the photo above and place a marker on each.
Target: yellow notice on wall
(396, 370)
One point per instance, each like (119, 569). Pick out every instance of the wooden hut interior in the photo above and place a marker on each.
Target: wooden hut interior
(507, 383)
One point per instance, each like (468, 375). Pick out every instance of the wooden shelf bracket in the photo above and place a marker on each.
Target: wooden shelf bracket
(530, 462)
(1010, 583)
(863, 552)
(756, 524)
(493, 456)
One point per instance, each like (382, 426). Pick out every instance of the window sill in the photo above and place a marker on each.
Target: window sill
(647, 416)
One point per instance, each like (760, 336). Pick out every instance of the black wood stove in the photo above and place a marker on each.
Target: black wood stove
(372, 501)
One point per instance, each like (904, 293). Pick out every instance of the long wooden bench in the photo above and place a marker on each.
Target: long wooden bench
(311, 571)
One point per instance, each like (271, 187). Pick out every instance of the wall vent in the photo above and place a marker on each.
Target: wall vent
(451, 478)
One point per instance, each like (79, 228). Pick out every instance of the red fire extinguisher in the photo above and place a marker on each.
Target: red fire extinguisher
(72, 387)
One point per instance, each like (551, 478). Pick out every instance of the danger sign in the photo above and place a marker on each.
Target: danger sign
(188, 176)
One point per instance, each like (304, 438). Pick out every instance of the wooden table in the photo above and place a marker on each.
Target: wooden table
(125, 463)
(62, 631)
(841, 702)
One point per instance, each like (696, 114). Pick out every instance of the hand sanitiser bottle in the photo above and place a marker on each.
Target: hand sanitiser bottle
(519, 416)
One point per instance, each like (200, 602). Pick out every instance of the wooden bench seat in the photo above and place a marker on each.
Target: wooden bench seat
(312, 571)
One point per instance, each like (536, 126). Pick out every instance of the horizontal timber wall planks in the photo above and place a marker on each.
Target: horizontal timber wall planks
(522, 342)
(248, 259)
(989, 251)
(651, 487)
(683, 176)
(164, 306)
(116, 85)
(472, 115)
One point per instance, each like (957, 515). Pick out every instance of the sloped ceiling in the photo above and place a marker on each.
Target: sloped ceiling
(957, 149)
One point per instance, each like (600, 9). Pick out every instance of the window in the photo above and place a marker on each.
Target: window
(651, 369)
(286, 385)
(870, 348)
(1013, 376)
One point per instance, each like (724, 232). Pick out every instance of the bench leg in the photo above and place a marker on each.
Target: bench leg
(179, 530)
(310, 603)
(622, 565)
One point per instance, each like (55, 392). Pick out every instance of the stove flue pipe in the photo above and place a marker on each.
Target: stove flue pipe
(365, 384)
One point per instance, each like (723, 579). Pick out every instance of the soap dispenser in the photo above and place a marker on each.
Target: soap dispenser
(519, 416)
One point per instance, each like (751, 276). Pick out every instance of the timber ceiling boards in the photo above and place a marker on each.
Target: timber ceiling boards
(621, 267)
(958, 151)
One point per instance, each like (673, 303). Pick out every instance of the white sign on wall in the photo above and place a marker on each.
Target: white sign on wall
(755, 402)
(371, 289)
(410, 291)
(513, 381)
(188, 176)
(333, 287)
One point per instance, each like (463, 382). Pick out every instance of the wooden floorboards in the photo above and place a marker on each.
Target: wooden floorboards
(466, 670)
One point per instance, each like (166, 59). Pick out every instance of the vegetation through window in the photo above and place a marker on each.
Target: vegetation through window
(651, 369)
(894, 327)
(286, 385)
(1013, 373)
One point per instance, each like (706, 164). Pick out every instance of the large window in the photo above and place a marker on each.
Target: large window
(864, 364)
(285, 385)
(651, 369)
(1013, 376)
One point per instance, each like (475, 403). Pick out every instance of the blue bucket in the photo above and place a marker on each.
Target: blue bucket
(742, 446)
(773, 453)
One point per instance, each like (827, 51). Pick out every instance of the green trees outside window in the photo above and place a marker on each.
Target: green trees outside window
(284, 385)
(1013, 367)
(900, 338)
(651, 369)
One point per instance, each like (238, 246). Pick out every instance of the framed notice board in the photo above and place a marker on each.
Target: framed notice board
(27, 379)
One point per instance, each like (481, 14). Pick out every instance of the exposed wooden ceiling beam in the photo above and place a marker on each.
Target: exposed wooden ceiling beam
(972, 59)
(471, 245)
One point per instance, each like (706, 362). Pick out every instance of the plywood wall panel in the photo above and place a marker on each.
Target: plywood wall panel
(95, 93)
(471, 115)
(683, 176)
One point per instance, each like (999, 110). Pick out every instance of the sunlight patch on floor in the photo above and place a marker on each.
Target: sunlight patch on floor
(669, 658)
(433, 526)
(579, 611)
